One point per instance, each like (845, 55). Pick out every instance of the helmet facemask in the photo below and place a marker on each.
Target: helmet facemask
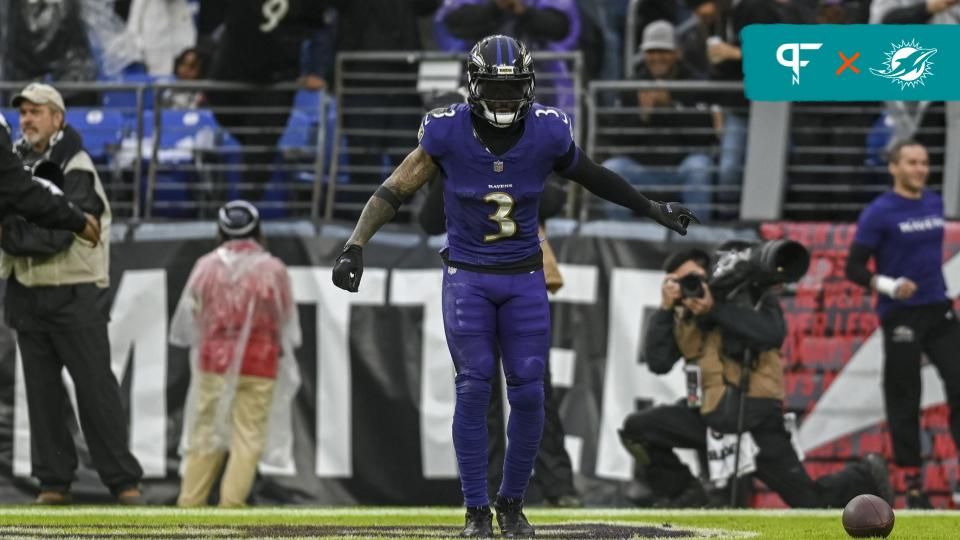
(502, 101)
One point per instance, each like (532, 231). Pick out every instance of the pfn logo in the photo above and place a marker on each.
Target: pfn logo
(794, 62)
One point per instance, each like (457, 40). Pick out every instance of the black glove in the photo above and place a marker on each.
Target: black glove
(349, 268)
(673, 216)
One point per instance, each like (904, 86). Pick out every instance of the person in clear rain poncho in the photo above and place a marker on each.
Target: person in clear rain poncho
(238, 316)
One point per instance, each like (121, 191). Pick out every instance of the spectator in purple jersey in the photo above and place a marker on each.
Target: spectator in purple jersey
(902, 230)
(546, 25)
(494, 154)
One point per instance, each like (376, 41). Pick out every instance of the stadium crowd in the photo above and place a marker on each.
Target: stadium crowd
(686, 145)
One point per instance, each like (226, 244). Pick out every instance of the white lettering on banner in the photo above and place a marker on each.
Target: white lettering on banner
(631, 291)
(334, 451)
(437, 389)
(138, 324)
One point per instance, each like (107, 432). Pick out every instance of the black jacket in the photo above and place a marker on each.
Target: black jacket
(254, 48)
(536, 26)
(5, 141)
(741, 327)
(380, 25)
(47, 308)
(19, 194)
(22, 238)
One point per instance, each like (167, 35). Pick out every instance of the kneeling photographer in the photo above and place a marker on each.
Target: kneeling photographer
(723, 322)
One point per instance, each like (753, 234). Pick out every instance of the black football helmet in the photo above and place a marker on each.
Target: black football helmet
(500, 80)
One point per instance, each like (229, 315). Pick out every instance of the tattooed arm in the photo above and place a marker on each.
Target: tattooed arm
(415, 171)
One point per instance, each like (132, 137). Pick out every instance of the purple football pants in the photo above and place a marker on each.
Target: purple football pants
(485, 315)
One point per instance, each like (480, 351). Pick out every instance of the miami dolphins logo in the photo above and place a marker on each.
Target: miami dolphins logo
(907, 64)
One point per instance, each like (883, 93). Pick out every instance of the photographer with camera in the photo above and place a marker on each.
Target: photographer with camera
(719, 324)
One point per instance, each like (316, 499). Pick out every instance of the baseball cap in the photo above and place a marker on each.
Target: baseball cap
(238, 219)
(41, 94)
(658, 35)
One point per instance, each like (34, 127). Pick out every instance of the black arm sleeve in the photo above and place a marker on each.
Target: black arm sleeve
(545, 24)
(761, 329)
(25, 239)
(603, 182)
(915, 14)
(857, 259)
(660, 351)
(473, 21)
(432, 218)
(19, 194)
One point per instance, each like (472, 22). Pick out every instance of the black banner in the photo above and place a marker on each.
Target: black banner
(372, 418)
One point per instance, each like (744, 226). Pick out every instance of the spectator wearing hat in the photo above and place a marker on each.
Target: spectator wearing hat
(676, 136)
(238, 316)
(54, 285)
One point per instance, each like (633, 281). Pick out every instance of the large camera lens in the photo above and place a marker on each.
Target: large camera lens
(691, 286)
(784, 261)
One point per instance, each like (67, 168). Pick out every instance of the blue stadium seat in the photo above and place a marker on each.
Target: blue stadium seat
(12, 116)
(102, 131)
(182, 133)
(126, 100)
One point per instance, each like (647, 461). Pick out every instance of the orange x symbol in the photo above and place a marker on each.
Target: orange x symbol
(848, 62)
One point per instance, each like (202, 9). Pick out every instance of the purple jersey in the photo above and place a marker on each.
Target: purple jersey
(492, 202)
(906, 237)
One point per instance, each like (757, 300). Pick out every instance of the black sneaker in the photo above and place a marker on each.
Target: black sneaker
(693, 496)
(877, 467)
(513, 524)
(479, 522)
(916, 498)
(564, 501)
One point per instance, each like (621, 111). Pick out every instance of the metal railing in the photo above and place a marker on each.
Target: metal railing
(382, 97)
(156, 160)
(837, 155)
(615, 130)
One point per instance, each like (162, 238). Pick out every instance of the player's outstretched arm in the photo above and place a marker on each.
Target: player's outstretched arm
(415, 171)
(609, 185)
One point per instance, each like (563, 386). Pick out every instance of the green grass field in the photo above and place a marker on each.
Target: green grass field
(366, 522)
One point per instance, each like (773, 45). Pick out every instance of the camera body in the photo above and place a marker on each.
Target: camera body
(757, 265)
(691, 285)
(747, 267)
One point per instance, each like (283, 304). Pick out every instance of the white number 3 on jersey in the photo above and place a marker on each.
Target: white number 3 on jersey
(546, 111)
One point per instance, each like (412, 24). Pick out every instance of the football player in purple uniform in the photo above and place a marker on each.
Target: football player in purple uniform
(494, 154)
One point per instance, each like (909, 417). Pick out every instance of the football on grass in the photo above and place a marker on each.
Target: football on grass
(868, 516)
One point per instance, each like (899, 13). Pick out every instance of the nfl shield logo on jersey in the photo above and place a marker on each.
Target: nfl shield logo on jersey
(497, 166)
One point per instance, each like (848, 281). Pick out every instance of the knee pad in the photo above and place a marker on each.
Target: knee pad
(526, 396)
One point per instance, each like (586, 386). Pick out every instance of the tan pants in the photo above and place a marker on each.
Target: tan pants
(551, 269)
(251, 407)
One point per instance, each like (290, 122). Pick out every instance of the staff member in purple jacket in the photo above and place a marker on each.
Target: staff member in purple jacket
(902, 230)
